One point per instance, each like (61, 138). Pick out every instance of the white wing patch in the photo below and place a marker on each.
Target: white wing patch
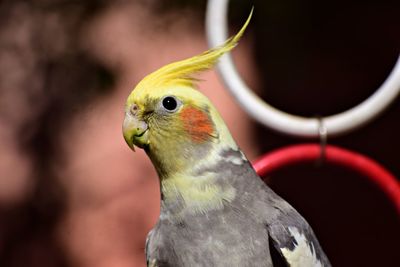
(302, 254)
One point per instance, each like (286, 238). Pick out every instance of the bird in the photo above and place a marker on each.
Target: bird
(215, 210)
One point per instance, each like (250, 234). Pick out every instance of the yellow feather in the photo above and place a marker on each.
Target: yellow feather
(199, 195)
(181, 73)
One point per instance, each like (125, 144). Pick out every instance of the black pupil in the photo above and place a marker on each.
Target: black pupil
(169, 103)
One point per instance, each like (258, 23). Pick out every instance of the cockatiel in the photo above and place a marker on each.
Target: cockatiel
(215, 210)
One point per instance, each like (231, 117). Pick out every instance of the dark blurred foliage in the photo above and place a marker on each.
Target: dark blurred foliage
(40, 42)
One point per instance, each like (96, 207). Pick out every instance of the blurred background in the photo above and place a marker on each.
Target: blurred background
(71, 191)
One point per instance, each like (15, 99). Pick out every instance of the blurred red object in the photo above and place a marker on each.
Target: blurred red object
(304, 153)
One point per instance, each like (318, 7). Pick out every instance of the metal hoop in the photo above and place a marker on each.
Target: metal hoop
(216, 27)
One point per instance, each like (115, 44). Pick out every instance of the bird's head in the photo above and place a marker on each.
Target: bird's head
(170, 119)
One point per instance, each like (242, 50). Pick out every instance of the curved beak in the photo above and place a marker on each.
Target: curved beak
(135, 131)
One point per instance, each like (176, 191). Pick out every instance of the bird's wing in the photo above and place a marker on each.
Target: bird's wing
(288, 231)
(294, 239)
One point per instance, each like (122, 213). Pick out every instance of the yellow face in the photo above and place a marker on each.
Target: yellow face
(165, 114)
(175, 126)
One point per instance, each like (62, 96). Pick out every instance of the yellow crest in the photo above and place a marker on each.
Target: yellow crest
(181, 73)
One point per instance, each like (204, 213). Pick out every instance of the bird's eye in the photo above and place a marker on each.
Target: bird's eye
(170, 103)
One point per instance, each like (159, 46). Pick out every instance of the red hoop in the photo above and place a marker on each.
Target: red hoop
(291, 155)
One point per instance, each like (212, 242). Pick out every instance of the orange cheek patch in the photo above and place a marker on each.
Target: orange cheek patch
(197, 124)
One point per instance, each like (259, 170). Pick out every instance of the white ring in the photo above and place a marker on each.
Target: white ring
(216, 27)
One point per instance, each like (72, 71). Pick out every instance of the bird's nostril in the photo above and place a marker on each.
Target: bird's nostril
(134, 109)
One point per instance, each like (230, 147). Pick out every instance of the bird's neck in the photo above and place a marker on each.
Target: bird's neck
(194, 195)
(204, 187)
